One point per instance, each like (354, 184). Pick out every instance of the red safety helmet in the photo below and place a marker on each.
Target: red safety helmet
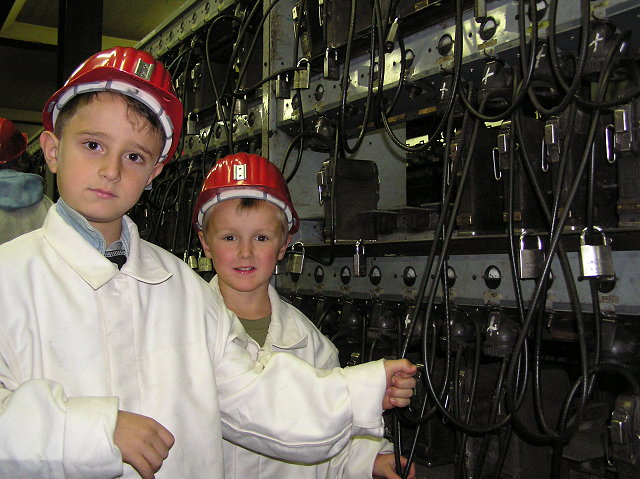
(12, 141)
(131, 72)
(242, 175)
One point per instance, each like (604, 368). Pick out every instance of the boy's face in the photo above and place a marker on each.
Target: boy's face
(104, 158)
(245, 245)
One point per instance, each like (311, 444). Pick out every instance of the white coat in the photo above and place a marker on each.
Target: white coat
(291, 331)
(80, 339)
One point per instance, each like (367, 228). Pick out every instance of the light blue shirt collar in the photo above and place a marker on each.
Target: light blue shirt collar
(88, 232)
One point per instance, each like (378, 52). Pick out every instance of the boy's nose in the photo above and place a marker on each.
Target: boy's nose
(110, 168)
(245, 251)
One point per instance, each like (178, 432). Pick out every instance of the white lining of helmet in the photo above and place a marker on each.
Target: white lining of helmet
(236, 193)
(126, 89)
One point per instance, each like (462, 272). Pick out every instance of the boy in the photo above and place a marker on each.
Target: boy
(23, 204)
(244, 218)
(106, 367)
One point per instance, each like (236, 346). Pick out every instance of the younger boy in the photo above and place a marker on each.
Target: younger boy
(107, 365)
(244, 218)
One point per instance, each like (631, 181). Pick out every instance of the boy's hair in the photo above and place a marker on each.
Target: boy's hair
(247, 204)
(140, 110)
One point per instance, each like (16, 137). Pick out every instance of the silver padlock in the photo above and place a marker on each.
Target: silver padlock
(531, 260)
(595, 260)
(331, 69)
(192, 119)
(295, 258)
(359, 260)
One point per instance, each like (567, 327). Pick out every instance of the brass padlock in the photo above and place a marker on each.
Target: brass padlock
(302, 78)
(531, 260)
(204, 264)
(295, 258)
(193, 261)
(359, 260)
(595, 260)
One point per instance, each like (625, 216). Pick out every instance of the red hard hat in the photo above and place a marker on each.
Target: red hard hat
(242, 175)
(131, 72)
(12, 141)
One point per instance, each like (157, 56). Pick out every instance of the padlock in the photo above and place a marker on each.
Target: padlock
(531, 260)
(281, 266)
(359, 260)
(193, 261)
(354, 359)
(295, 16)
(295, 258)
(192, 119)
(552, 139)
(283, 86)
(331, 70)
(595, 260)
(204, 264)
(240, 106)
(391, 36)
(302, 78)
(503, 145)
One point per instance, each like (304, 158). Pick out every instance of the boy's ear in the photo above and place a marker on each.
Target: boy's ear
(205, 246)
(155, 172)
(50, 144)
(284, 247)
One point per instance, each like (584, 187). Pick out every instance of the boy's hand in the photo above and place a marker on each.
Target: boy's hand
(143, 442)
(385, 466)
(400, 383)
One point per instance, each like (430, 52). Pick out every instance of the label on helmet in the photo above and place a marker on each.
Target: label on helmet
(143, 69)
(239, 172)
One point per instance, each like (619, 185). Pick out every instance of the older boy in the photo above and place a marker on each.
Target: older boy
(244, 218)
(106, 367)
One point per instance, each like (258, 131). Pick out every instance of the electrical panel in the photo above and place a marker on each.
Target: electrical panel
(467, 174)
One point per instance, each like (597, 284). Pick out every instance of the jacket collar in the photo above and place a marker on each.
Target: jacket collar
(90, 264)
(284, 332)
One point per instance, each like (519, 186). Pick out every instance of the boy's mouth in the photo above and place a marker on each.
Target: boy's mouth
(106, 194)
(243, 269)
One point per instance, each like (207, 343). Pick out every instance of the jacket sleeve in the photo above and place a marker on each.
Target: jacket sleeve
(46, 435)
(356, 460)
(282, 407)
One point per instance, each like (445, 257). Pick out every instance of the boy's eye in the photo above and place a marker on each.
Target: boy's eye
(92, 145)
(228, 238)
(262, 238)
(135, 157)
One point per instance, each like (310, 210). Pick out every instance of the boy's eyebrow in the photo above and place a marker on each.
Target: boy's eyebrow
(100, 134)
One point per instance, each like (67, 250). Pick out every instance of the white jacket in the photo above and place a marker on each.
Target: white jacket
(290, 331)
(80, 339)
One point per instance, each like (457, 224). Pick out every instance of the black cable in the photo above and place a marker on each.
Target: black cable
(216, 95)
(457, 68)
(524, 86)
(345, 82)
(556, 69)
(565, 431)
(582, 58)
(493, 412)
(153, 238)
